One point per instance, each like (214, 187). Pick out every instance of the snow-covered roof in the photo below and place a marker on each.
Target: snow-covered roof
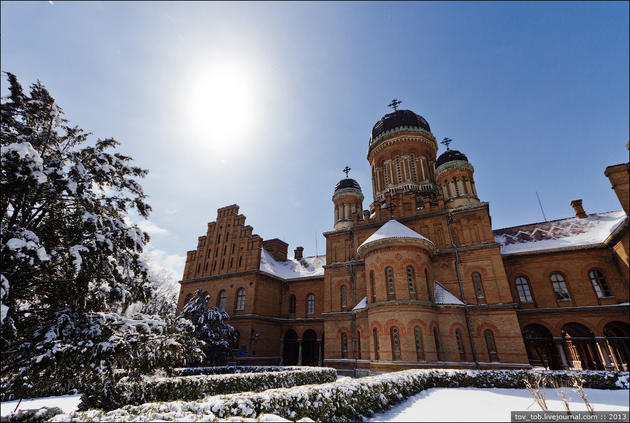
(443, 296)
(361, 305)
(562, 233)
(393, 229)
(292, 269)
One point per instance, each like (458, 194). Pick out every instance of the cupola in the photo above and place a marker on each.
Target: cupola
(454, 176)
(347, 200)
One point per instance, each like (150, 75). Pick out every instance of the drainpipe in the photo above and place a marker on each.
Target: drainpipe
(449, 220)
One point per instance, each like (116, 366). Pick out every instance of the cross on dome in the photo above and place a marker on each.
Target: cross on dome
(346, 170)
(394, 104)
(446, 142)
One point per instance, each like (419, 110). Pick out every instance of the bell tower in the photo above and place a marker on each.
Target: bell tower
(347, 199)
(454, 175)
(402, 155)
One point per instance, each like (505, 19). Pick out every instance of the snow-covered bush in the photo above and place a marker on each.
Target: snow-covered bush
(150, 389)
(222, 370)
(211, 327)
(344, 400)
(71, 265)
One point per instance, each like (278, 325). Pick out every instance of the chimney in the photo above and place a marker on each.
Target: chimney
(298, 253)
(579, 210)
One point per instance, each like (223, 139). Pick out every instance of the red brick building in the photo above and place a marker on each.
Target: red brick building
(420, 279)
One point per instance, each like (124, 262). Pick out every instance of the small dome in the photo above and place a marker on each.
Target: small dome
(399, 118)
(449, 156)
(347, 183)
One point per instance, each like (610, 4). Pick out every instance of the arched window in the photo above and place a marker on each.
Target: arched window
(358, 345)
(377, 354)
(417, 333)
(389, 277)
(310, 304)
(599, 283)
(492, 348)
(292, 304)
(395, 338)
(426, 279)
(222, 301)
(476, 277)
(522, 287)
(436, 338)
(460, 345)
(344, 345)
(240, 299)
(560, 287)
(344, 297)
(411, 281)
(373, 286)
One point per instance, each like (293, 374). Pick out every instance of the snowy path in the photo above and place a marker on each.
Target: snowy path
(479, 405)
(67, 403)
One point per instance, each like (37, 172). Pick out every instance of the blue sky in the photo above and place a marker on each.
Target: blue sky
(263, 104)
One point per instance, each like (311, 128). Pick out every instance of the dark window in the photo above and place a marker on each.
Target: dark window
(373, 286)
(358, 345)
(395, 343)
(476, 277)
(344, 345)
(522, 287)
(310, 304)
(460, 345)
(292, 304)
(377, 354)
(389, 277)
(426, 278)
(599, 283)
(436, 338)
(417, 333)
(492, 348)
(411, 281)
(560, 287)
(344, 297)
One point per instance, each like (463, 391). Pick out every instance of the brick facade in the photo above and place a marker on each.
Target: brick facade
(404, 322)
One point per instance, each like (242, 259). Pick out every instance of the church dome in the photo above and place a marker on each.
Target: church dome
(449, 156)
(397, 119)
(347, 183)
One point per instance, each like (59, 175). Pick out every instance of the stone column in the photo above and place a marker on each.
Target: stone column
(451, 184)
(460, 184)
(563, 357)
(320, 342)
(299, 363)
(281, 351)
(601, 346)
(468, 186)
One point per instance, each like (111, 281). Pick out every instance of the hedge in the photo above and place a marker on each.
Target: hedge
(198, 386)
(344, 400)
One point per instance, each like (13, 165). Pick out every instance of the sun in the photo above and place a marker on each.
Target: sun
(221, 105)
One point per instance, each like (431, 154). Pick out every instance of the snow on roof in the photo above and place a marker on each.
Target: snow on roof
(361, 305)
(393, 229)
(443, 296)
(562, 233)
(291, 269)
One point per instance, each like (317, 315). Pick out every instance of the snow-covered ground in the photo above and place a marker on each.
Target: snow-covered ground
(68, 403)
(494, 404)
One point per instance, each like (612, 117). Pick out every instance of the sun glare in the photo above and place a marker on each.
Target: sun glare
(221, 106)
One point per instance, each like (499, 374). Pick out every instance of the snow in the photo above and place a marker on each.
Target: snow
(443, 296)
(492, 404)
(68, 403)
(393, 229)
(563, 233)
(23, 150)
(292, 269)
(362, 304)
(75, 251)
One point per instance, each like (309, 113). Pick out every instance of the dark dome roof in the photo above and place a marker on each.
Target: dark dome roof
(347, 183)
(399, 118)
(449, 156)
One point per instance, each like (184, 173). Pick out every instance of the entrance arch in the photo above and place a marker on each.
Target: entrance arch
(618, 338)
(581, 346)
(539, 346)
(309, 348)
(290, 348)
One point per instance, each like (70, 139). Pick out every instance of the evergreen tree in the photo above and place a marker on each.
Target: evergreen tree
(211, 327)
(71, 266)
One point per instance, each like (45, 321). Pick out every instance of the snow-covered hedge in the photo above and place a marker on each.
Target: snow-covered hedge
(221, 370)
(198, 386)
(344, 400)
